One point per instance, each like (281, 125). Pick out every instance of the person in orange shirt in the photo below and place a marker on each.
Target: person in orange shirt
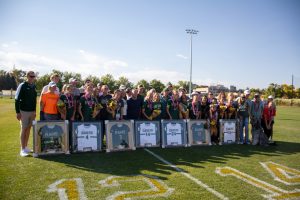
(49, 103)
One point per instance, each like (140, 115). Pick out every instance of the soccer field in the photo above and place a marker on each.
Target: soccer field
(207, 172)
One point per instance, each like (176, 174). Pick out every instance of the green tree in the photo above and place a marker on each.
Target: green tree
(19, 75)
(184, 84)
(144, 83)
(157, 85)
(41, 81)
(287, 91)
(94, 79)
(124, 81)
(109, 80)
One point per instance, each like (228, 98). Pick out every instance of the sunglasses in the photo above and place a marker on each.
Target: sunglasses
(32, 76)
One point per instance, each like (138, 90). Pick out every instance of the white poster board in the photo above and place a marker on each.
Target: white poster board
(86, 136)
(147, 133)
(173, 133)
(229, 131)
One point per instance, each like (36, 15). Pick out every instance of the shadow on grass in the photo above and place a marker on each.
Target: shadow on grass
(136, 162)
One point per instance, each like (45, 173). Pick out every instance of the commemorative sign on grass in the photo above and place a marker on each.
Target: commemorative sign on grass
(86, 136)
(198, 132)
(173, 133)
(147, 133)
(50, 137)
(119, 135)
(228, 131)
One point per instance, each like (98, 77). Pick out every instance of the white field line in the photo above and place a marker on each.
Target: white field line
(198, 182)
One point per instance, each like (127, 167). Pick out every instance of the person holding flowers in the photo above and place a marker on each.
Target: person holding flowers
(231, 107)
(213, 120)
(87, 104)
(67, 103)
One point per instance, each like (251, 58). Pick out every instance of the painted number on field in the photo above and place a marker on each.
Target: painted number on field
(280, 173)
(68, 189)
(156, 187)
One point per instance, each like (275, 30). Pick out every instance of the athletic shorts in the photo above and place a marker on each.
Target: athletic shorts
(26, 118)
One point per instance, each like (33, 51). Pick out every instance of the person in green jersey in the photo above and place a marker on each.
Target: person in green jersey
(173, 106)
(156, 113)
(147, 107)
(69, 103)
(87, 103)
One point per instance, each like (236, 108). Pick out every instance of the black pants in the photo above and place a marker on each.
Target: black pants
(268, 132)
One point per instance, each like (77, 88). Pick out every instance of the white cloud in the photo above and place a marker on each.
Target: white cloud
(181, 56)
(86, 63)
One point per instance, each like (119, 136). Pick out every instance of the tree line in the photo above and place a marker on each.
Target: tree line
(11, 79)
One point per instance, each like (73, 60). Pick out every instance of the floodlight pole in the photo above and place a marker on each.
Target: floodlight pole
(191, 32)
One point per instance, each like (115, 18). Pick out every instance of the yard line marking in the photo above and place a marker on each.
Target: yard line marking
(197, 181)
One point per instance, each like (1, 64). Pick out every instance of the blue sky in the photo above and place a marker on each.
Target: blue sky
(243, 43)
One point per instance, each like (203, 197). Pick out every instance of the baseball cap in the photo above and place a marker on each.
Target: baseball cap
(122, 87)
(270, 97)
(72, 80)
(194, 93)
(52, 84)
(246, 92)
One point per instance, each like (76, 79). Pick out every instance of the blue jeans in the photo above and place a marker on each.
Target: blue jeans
(244, 122)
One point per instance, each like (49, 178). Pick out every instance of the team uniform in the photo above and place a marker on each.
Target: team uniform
(87, 107)
(173, 106)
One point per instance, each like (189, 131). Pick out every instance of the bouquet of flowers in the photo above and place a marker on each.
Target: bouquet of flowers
(97, 108)
(155, 113)
(213, 123)
(184, 111)
(61, 107)
(112, 106)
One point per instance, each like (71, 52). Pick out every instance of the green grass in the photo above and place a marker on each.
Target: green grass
(28, 178)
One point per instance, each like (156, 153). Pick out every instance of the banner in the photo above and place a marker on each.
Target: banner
(228, 131)
(173, 133)
(87, 136)
(147, 133)
(198, 132)
(50, 137)
(119, 135)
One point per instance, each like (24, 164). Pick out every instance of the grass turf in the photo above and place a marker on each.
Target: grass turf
(28, 178)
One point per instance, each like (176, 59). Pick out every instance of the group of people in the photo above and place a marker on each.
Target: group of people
(95, 102)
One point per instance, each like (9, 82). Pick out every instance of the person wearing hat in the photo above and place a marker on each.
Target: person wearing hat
(268, 118)
(194, 106)
(25, 106)
(54, 78)
(49, 103)
(243, 116)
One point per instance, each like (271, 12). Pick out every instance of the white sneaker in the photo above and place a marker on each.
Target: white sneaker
(27, 150)
(23, 153)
